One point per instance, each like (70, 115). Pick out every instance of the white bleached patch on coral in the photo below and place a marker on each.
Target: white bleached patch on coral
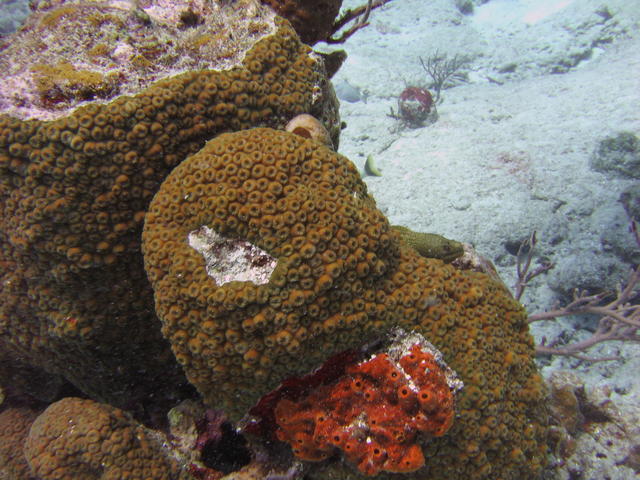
(231, 259)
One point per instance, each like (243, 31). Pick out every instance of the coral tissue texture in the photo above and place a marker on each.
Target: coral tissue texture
(342, 277)
(14, 427)
(82, 439)
(74, 188)
(301, 204)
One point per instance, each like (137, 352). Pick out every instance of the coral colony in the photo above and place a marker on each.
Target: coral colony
(342, 278)
(164, 240)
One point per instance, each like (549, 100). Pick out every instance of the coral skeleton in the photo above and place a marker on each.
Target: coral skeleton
(231, 259)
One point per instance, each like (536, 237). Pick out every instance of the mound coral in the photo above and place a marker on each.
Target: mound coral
(308, 126)
(292, 200)
(14, 427)
(375, 411)
(75, 438)
(77, 170)
(339, 278)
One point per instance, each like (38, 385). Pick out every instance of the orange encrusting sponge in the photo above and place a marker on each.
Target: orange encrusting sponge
(373, 413)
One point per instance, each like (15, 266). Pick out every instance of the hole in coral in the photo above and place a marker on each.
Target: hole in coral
(227, 453)
(303, 132)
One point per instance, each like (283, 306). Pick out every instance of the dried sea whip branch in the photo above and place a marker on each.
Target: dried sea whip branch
(618, 314)
(360, 14)
(524, 274)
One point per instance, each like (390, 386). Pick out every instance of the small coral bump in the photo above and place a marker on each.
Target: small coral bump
(308, 126)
